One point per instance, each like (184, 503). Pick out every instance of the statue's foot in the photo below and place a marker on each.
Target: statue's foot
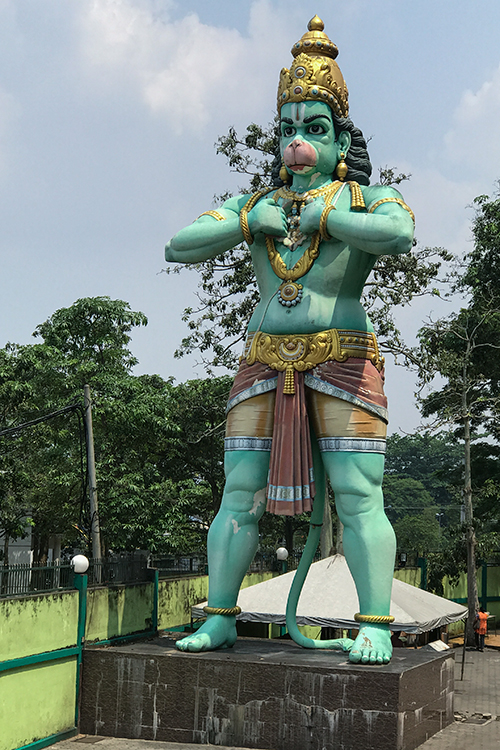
(372, 646)
(219, 631)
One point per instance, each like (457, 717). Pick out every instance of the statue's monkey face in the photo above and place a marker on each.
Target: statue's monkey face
(308, 138)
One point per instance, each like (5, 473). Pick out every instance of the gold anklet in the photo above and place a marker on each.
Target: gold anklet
(378, 619)
(221, 611)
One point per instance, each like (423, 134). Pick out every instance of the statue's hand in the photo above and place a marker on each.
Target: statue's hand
(268, 218)
(310, 216)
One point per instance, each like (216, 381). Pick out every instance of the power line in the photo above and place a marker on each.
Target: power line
(38, 420)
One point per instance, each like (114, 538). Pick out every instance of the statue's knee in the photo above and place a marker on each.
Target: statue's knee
(246, 482)
(357, 494)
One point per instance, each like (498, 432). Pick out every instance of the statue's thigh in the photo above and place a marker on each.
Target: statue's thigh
(252, 418)
(352, 445)
(249, 431)
(335, 418)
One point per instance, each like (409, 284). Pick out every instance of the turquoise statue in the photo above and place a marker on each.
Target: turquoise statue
(308, 398)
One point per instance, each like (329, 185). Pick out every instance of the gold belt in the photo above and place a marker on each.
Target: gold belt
(302, 352)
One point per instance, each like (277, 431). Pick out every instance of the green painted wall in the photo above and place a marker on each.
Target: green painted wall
(409, 575)
(31, 625)
(118, 610)
(36, 702)
(177, 596)
(45, 622)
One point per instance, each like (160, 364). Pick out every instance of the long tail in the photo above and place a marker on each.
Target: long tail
(313, 537)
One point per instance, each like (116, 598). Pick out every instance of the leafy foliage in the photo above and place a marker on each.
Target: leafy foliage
(461, 350)
(158, 447)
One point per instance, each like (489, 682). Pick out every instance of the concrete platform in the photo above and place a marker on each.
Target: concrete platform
(265, 694)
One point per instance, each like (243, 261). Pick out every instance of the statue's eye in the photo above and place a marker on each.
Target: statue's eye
(316, 129)
(288, 131)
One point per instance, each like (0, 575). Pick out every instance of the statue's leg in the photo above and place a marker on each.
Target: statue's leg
(369, 544)
(232, 542)
(369, 541)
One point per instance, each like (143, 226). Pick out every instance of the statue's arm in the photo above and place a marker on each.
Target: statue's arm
(217, 231)
(385, 228)
(211, 234)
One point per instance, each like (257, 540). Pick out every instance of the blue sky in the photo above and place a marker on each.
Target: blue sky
(109, 110)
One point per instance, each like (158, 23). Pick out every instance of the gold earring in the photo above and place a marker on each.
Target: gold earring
(283, 174)
(342, 168)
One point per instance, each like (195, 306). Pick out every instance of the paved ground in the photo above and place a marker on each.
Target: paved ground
(476, 696)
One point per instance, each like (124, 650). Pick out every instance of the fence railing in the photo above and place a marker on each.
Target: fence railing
(170, 566)
(266, 560)
(22, 578)
(118, 570)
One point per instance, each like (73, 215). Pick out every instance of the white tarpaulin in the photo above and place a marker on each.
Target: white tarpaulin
(329, 599)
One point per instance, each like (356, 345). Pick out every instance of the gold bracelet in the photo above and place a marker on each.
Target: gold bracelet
(222, 611)
(378, 619)
(215, 214)
(323, 230)
(247, 236)
(392, 200)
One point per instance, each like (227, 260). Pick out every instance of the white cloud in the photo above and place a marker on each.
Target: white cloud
(473, 139)
(185, 69)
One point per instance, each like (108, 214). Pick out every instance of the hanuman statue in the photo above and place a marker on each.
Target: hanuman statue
(308, 399)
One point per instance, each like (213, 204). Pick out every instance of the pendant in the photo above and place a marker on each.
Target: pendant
(289, 294)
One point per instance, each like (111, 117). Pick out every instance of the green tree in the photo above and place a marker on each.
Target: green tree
(404, 496)
(86, 343)
(159, 447)
(419, 534)
(462, 350)
(429, 458)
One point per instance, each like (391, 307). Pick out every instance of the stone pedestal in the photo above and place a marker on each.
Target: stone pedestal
(265, 694)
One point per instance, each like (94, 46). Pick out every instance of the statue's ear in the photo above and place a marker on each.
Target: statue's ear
(344, 141)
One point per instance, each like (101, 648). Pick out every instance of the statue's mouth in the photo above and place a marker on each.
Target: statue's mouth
(302, 168)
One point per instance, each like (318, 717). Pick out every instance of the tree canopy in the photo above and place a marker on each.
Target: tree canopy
(158, 446)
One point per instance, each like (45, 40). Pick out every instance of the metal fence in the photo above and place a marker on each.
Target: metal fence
(170, 566)
(25, 579)
(115, 570)
(21, 579)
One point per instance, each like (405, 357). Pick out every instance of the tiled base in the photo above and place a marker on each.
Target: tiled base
(265, 694)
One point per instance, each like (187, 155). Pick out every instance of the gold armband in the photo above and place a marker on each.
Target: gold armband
(215, 214)
(392, 200)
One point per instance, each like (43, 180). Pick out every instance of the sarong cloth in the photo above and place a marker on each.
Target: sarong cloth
(290, 488)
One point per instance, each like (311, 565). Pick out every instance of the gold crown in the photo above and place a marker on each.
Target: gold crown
(314, 75)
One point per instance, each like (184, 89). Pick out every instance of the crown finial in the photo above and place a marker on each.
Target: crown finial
(316, 24)
(315, 41)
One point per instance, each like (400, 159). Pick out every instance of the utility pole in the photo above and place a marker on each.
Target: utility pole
(94, 511)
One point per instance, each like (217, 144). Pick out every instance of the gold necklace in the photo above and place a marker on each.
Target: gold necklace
(284, 192)
(289, 292)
